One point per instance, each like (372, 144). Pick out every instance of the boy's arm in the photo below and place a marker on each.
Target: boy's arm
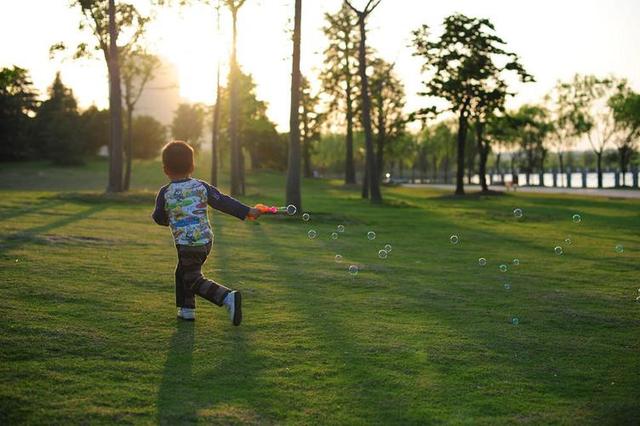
(160, 213)
(224, 203)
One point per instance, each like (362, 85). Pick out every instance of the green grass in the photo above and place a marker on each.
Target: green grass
(88, 331)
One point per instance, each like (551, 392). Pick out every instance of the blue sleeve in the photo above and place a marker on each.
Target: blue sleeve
(224, 203)
(160, 213)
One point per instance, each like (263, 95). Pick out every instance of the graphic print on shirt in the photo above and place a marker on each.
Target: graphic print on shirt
(186, 205)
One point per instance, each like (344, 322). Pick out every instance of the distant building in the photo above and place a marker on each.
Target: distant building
(161, 96)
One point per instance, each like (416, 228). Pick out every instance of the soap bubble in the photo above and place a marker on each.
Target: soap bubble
(334, 235)
(312, 234)
(353, 270)
(568, 241)
(387, 248)
(507, 286)
(503, 268)
(338, 258)
(340, 228)
(516, 262)
(619, 248)
(517, 213)
(306, 217)
(515, 321)
(371, 235)
(482, 261)
(558, 250)
(576, 218)
(291, 209)
(382, 254)
(454, 239)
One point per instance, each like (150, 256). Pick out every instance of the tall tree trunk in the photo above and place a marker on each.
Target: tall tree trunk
(624, 152)
(234, 141)
(599, 165)
(215, 132)
(462, 136)
(483, 152)
(293, 172)
(374, 184)
(561, 162)
(350, 169)
(381, 136)
(129, 148)
(115, 106)
(365, 182)
(498, 155)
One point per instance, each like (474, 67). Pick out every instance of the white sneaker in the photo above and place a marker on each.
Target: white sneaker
(187, 314)
(233, 303)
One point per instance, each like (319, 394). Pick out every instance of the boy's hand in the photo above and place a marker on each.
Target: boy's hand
(253, 213)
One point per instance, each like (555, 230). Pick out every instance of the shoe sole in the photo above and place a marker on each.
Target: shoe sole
(185, 319)
(237, 309)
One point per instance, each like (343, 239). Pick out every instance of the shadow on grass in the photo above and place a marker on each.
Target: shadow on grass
(26, 236)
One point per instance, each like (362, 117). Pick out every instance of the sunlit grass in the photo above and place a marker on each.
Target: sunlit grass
(89, 335)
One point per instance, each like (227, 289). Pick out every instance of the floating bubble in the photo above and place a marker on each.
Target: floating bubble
(312, 234)
(382, 254)
(17, 260)
(454, 239)
(517, 213)
(558, 250)
(576, 218)
(353, 270)
(371, 235)
(515, 321)
(619, 248)
(334, 235)
(503, 268)
(568, 241)
(388, 248)
(291, 209)
(482, 261)
(341, 228)
(306, 217)
(507, 286)
(516, 262)
(338, 258)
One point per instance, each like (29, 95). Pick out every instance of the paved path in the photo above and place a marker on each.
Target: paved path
(617, 193)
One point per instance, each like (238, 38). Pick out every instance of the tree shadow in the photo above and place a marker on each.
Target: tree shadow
(17, 239)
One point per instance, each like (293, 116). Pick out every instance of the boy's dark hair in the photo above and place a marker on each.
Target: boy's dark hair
(177, 157)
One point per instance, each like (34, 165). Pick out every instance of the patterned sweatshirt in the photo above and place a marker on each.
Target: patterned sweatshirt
(182, 205)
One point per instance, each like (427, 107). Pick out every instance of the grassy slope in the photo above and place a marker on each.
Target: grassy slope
(88, 332)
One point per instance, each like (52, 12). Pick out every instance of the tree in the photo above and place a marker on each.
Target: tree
(311, 121)
(531, 127)
(626, 113)
(593, 95)
(237, 167)
(107, 21)
(294, 195)
(18, 104)
(137, 69)
(467, 63)
(95, 124)
(57, 126)
(568, 123)
(149, 135)
(339, 76)
(187, 123)
(387, 102)
(370, 162)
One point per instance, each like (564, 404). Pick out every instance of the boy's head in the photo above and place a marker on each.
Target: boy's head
(177, 159)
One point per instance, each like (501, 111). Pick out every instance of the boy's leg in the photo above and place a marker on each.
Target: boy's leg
(184, 295)
(191, 259)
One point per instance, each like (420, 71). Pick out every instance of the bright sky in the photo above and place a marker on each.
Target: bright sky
(554, 39)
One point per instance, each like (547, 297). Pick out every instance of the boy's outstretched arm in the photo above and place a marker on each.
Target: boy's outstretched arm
(227, 204)
(160, 213)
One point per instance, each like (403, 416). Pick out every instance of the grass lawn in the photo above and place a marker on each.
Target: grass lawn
(88, 331)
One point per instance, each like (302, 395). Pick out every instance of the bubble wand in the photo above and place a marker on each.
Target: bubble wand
(264, 209)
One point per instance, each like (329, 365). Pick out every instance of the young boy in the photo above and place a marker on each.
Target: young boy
(182, 205)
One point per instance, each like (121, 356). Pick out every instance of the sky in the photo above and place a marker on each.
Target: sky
(554, 39)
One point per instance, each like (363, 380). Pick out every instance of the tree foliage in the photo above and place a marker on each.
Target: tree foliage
(149, 135)
(18, 104)
(188, 123)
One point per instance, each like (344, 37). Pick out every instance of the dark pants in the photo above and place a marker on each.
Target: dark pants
(190, 281)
